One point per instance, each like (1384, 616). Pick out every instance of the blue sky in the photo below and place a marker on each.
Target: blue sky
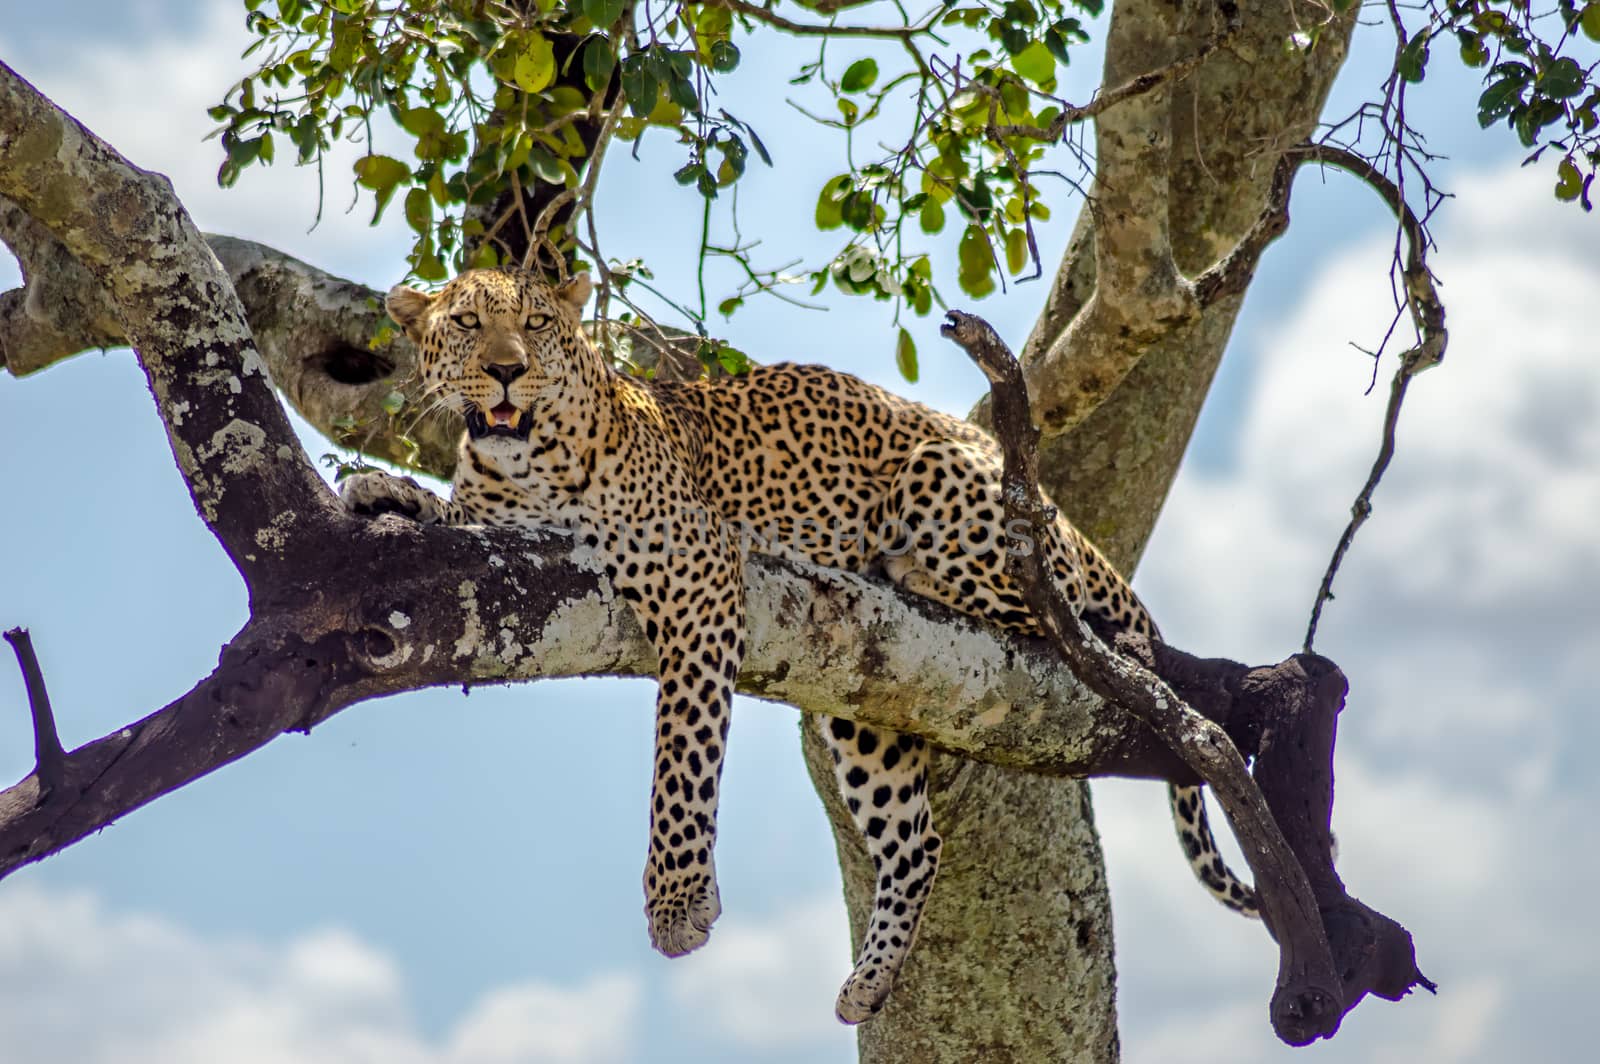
(438, 878)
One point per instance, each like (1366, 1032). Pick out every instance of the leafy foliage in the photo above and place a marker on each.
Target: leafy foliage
(489, 94)
(1539, 69)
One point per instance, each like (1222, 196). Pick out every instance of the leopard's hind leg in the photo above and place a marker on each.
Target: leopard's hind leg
(883, 776)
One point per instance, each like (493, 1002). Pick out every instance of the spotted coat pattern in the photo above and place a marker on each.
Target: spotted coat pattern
(669, 485)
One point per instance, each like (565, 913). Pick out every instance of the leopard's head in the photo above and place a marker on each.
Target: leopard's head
(496, 345)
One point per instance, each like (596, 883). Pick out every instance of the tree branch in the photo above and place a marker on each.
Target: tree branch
(49, 759)
(401, 607)
(1310, 1001)
(246, 473)
(1427, 315)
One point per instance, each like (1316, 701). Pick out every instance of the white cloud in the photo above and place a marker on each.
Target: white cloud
(1491, 501)
(95, 987)
(1465, 621)
(771, 983)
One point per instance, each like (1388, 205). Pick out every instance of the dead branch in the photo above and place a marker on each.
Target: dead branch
(1310, 999)
(1427, 316)
(48, 757)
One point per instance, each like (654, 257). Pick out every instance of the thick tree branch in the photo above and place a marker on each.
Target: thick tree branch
(1137, 276)
(318, 334)
(247, 475)
(400, 607)
(58, 311)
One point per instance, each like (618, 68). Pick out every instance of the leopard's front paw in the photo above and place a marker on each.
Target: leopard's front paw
(371, 494)
(681, 914)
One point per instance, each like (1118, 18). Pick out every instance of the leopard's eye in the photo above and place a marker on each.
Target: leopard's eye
(468, 320)
(536, 322)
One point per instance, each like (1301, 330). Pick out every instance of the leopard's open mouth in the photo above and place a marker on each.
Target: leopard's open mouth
(500, 420)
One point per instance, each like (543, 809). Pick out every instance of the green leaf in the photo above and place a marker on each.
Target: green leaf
(603, 13)
(1016, 250)
(598, 62)
(680, 89)
(528, 61)
(905, 356)
(428, 267)
(856, 210)
(419, 210)
(1498, 99)
(639, 84)
(383, 175)
(1590, 21)
(1562, 79)
(1568, 181)
(380, 172)
(1035, 63)
(975, 262)
(859, 76)
(393, 403)
(1412, 63)
(732, 360)
(724, 56)
(761, 149)
(931, 218)
(422, 121)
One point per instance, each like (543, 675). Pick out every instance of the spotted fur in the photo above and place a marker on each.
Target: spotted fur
(670, 484)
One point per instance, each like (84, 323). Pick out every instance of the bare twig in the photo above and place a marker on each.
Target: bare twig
(49, 759)
(1427, 315)
(1309, 1002)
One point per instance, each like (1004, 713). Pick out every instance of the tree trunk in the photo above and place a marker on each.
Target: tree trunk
(1014, 960)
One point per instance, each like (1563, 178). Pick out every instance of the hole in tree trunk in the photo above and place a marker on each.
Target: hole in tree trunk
(349, 364)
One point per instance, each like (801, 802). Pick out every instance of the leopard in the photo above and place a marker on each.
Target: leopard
(670, 486)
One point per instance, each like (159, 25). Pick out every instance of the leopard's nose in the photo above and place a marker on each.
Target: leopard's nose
(505, 372)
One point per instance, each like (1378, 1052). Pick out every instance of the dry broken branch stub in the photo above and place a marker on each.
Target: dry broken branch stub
(49, 759)
(1303, 913)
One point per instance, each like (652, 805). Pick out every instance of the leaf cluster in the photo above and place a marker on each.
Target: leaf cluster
(482, 94)
(1539, 69)
(980, 128)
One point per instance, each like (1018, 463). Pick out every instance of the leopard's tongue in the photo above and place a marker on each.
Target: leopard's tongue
(503, 414)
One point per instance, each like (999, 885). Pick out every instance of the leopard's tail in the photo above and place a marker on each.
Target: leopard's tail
(1194, 832)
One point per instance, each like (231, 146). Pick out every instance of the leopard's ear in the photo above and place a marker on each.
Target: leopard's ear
(575, 290)
(406, 306)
